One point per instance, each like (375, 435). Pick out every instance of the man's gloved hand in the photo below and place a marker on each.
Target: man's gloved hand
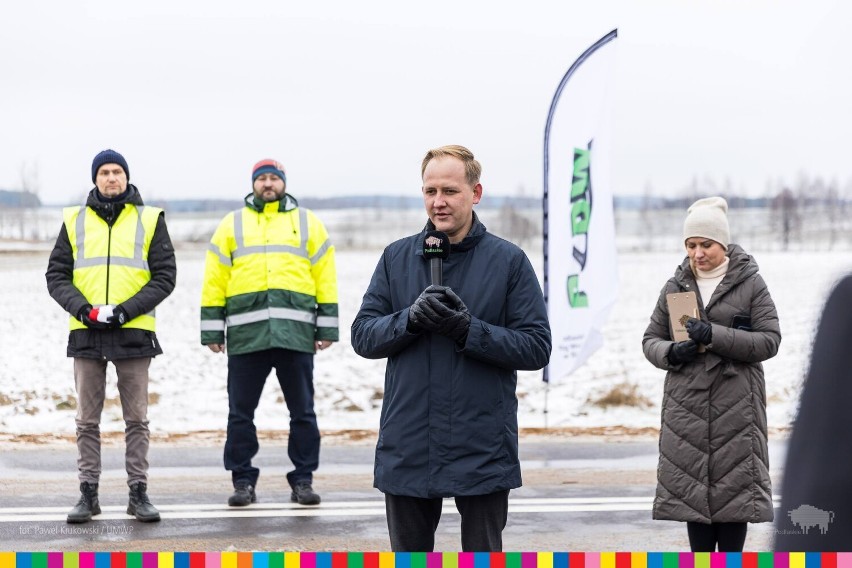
(102, 314)
(699, 330)
(118, 317)
(682, 352)
(455, 302)
(417, 320)
(103, 317)
(88, 316)
(447, 314)
(422, 316)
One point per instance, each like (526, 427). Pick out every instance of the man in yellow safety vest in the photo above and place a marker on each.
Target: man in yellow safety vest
(112, 264)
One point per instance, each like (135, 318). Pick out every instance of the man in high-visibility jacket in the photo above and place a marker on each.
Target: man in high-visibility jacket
(112, 264)
(270, 281)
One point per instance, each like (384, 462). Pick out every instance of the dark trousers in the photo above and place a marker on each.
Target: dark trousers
(246, 376)
(729, 536)
(412, 521)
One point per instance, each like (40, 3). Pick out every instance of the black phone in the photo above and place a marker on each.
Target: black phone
(742, 322)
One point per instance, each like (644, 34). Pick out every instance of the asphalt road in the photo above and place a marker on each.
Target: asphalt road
(589, 495)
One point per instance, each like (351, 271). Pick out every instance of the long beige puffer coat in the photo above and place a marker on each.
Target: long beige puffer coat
(714, 460)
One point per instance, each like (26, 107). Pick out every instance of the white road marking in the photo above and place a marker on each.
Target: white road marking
(330, 509)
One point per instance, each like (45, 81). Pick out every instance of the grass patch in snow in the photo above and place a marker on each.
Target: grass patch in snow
(623, 394)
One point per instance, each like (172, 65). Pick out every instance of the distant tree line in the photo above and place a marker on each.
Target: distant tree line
(18, 199)
(810, 212)
(17, 207)
(386, 202)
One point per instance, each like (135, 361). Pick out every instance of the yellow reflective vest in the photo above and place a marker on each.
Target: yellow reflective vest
(111, 263)
(270, 280)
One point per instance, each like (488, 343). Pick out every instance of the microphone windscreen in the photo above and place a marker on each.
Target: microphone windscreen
(436, 245)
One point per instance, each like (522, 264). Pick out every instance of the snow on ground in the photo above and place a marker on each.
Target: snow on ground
(188, 381)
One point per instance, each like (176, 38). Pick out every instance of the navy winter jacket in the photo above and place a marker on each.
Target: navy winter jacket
(449, 417)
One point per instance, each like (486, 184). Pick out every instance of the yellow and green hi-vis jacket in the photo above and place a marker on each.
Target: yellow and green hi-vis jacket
(270, 280)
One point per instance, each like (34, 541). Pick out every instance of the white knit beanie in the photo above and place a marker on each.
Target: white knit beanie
(708, 218)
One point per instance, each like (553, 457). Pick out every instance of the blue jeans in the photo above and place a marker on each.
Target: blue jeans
(247, 375)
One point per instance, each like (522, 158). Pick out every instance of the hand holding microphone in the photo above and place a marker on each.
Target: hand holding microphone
(453, 316)
(422, 315)
(417, 319)
(436, 247)
(439, 310)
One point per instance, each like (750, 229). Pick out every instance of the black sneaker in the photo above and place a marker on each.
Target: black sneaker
(303, 494)
(243, 496)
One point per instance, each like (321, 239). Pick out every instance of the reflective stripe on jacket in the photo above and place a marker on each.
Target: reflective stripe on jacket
(111, 263)
(270, 280)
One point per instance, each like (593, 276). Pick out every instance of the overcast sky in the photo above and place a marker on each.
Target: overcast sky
(349, 95)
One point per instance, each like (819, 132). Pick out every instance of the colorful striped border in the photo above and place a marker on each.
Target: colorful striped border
(425, 560)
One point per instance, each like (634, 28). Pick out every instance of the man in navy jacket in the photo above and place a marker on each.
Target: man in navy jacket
(449, 423)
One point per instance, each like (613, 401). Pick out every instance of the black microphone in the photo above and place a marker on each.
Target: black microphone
(436, 247)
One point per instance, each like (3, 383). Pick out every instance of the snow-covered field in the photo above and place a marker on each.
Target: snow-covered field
(188, 381)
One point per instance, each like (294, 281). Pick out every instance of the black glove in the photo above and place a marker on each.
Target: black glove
(84, 318)
(118, 318)
(421, 316)
(682, 352)
(417, 320)
(699, 330)
(447, 314)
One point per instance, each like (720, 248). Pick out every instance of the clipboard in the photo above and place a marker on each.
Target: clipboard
(682, 306)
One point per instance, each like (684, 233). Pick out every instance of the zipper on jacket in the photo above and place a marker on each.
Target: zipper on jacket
(109, 256)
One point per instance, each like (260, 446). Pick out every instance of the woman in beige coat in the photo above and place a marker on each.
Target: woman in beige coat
(713, 471)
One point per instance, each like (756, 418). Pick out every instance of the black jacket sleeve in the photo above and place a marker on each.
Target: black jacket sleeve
(60, 276)
(161, 261)
(816, 504)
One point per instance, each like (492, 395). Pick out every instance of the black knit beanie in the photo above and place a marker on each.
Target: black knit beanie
(109, 157)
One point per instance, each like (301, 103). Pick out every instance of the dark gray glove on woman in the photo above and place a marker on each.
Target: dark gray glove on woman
(699, 330)
(682, 352)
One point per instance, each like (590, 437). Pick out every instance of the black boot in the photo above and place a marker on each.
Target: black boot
(140, 506)
(243, 496)
(87, 505)
(303, 494)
